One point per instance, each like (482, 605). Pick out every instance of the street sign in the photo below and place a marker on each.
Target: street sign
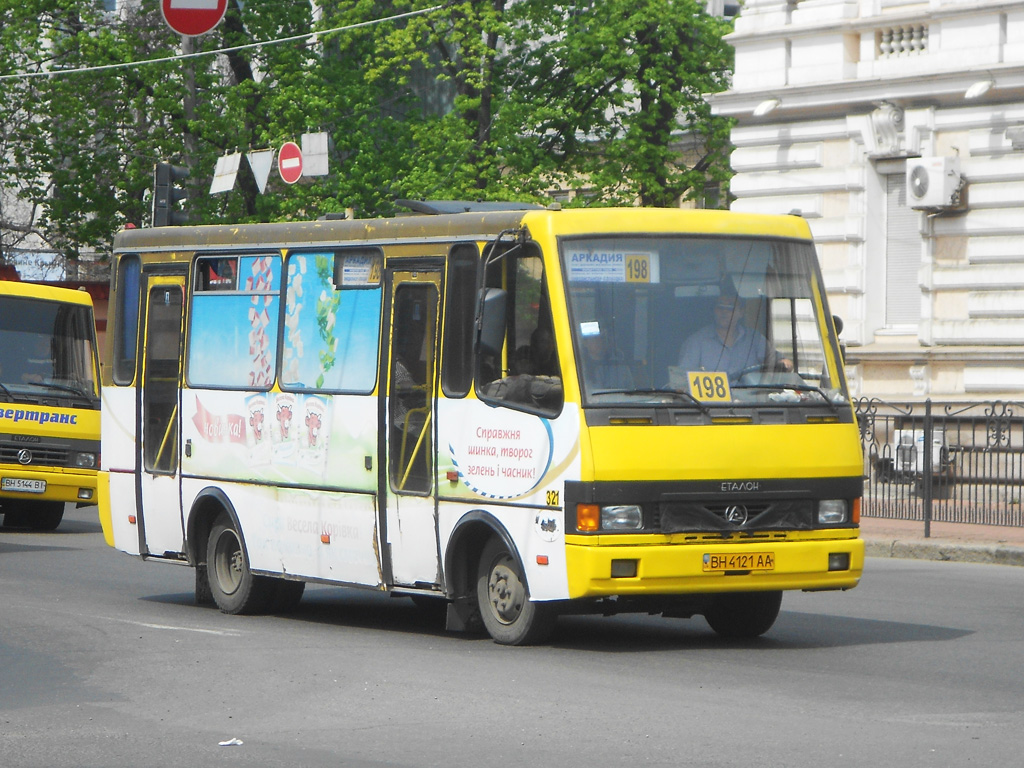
(225, 173)
(289, 162)
(261, 162)
(314, 153)
(193, 17)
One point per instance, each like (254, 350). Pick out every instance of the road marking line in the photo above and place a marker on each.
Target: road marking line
(147, 625)
(220, 632)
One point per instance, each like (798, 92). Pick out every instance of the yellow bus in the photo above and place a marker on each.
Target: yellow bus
(49, 403)
(512, 409)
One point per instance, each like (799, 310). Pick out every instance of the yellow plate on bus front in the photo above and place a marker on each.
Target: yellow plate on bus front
(739, 561)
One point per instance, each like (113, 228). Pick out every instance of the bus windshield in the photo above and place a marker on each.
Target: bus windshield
(699, 321)
(46, 351)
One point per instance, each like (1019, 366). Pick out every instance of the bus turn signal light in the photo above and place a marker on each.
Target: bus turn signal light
(588, 517)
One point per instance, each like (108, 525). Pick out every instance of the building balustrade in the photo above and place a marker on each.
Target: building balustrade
(907, 40)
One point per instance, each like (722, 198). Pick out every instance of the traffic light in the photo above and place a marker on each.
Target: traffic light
(166, 195)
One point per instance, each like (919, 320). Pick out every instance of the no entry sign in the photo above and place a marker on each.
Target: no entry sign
(193, 17)
(289, 162)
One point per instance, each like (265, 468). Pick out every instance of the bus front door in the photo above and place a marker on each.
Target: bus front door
(159, 515)
(411, 496)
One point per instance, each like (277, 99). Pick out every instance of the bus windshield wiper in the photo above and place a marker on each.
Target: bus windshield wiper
(685, 396)
(80, 391)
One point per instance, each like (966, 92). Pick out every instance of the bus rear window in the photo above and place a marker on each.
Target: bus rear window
(126, 318)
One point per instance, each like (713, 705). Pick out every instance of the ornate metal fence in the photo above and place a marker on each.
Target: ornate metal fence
(953, 462)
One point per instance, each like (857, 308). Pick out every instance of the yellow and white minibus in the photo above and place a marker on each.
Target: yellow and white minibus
(49, 403)
(516, 410)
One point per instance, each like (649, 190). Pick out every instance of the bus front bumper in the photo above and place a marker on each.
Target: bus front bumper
(603, 570)
(47, 484)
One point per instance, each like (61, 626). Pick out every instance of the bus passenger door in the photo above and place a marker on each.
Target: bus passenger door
(410, 430)
(159, 517)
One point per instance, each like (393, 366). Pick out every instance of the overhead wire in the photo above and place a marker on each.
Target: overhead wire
(232, 49)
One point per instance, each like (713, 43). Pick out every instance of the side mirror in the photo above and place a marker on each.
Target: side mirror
(837, 321)
(492, 321)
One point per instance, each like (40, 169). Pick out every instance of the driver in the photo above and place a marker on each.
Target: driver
(727, 345)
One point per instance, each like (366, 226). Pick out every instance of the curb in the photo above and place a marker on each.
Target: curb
(951, 551)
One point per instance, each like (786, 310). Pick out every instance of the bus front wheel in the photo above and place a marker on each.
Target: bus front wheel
(509, 615)
(48, 515)
(37, 515)
(234, 587)
(742, 615)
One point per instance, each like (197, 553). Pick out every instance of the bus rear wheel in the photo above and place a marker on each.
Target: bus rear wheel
(509, 615)
(234, 587)
(743, 615)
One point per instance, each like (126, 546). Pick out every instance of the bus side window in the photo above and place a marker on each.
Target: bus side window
(526, 374)
(410, 392)
(162, 367)
(233, 325)
(332, 320)
(460, 305)
(126, 319)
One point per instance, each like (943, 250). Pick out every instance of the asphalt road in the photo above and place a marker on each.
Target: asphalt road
(105, 661)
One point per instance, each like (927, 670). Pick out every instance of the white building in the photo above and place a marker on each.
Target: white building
(836, 103)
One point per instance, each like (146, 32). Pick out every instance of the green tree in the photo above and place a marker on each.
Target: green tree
(488, 99)
(17, 126)
(606, 97)
(57, 155)
(445, 65)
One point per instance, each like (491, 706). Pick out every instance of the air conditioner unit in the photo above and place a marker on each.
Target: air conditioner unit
(933, 182)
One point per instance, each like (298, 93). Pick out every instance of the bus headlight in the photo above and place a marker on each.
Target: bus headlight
(832, 511)
(85, 460)
(622, 517)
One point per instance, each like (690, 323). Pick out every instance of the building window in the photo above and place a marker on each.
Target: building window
(902, 255)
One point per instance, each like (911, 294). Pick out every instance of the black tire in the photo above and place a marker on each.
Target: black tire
(743, 615)
(14, 517)
(234, 587)
(509, 615)
(46, 515)
(37, 515)
(204, 596)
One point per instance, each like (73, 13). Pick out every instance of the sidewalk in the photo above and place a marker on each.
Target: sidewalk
(948, 541)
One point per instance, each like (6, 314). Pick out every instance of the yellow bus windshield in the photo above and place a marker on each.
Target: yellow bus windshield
(699, 322)
(46, 352)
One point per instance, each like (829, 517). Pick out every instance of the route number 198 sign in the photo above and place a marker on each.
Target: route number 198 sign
(710, 386)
